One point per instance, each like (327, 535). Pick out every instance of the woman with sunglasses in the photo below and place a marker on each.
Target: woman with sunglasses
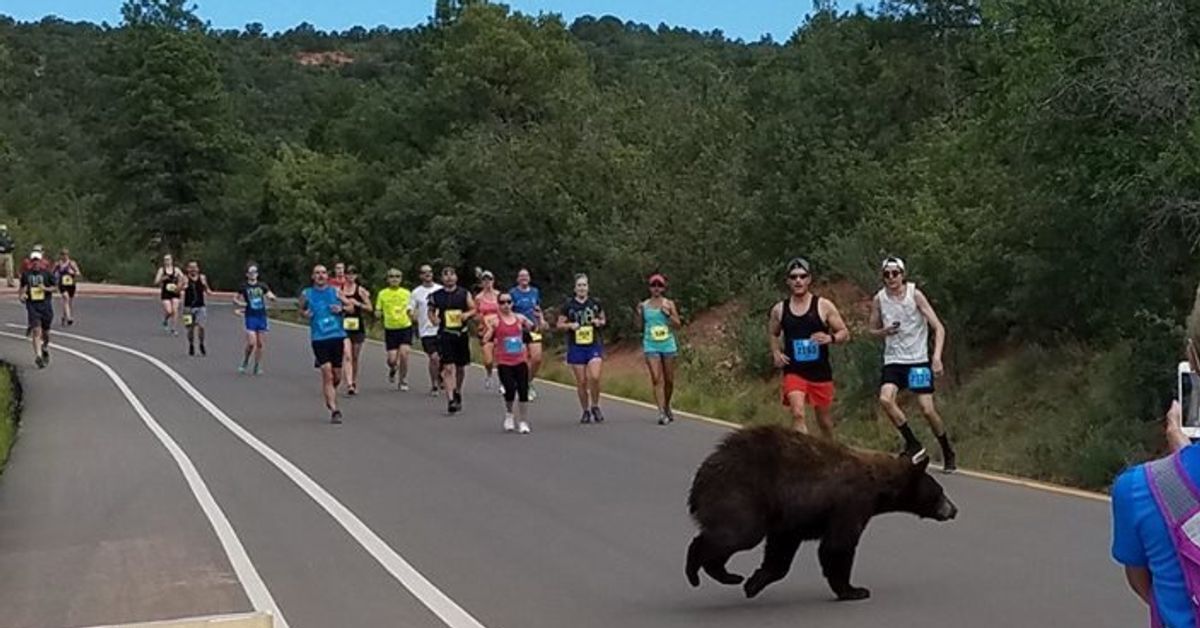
(659, 319)
(801, 328)
(508, 336)
(582, 318)
(395, 304)
(487, 302)
(354, 322)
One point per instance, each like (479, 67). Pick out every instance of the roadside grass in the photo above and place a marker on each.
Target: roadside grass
(10, 410)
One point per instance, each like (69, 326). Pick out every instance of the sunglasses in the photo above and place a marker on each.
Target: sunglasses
(798, 276)
(394, 277)
(658, 285)
(892, 273)
(505, 301)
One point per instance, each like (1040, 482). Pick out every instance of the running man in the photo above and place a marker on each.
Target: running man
(66, 274)
(322, 304)
(195, 311)
(6, 255)
(396, 306)
(354, 319)
(508, 336)
(527, 301)
(427, 327)
(582, 318)
(169, 280)
(452, 308)
(801, 329)
(488, 309)
(37, 283)
(252, 297)
(659, 319)
(902, 316)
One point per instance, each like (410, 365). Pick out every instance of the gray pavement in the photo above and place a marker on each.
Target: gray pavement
(572, 526)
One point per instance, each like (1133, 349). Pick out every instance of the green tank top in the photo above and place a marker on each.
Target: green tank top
(657, 335)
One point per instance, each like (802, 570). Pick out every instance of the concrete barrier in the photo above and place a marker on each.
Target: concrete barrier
(245, 620)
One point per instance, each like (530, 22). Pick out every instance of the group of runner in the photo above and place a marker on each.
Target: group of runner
(39, 278)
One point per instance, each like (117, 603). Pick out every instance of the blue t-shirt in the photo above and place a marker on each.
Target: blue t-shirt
(324, 324)
(525, 301)
(255, 296)
(1141, 539)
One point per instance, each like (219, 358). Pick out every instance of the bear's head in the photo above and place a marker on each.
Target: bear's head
(923, 496)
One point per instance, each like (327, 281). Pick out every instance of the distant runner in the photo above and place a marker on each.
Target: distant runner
(354, 319)
(339, 275)
(453, 307)
(37, 282)
(427, 327)
(902, 316)
(801, 328)
(195, 311)
(488, 310)
(659, 319)
(322, 305)
(508, 335)
(66, 274)
(6, 255)
(583, 318)
(527, 301)
(169, 280)
(394, 303)
(252, 296)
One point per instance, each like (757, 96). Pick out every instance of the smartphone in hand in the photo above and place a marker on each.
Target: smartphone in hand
(1189, 399)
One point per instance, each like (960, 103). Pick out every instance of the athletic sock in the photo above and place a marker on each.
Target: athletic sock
(910, 439)
(944, 441)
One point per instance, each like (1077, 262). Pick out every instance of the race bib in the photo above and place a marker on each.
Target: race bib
(172, 288)
(327, 325)
(660, 333)
(454, 319)
(351, 324)
(535, 336)
(188, 319)
(257, 303)
(37, 293)
(585, 335)
(805, 350)
(396, 312)
(919, 377)
(513, 345)
(67, 280)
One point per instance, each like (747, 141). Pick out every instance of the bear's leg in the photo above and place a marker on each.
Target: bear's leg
(777, 560)
(836, 554)
(711, 551)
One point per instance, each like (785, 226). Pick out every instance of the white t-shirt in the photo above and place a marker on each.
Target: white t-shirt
(420, 298)
(911, 344)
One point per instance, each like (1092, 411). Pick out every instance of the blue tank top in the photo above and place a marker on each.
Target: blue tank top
(525, 301)
(324, 323)
(657, 335)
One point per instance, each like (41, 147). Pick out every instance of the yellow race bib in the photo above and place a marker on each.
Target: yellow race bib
(37, 293)
(396, 313)
(188, 319)
(585, 335)
(172, 288)
(454, 319)
(67, 280)
(351, 324)
(535, 336)
(660, 333)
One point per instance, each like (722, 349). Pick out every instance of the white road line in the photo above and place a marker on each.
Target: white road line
(247, 574)
(439, 603)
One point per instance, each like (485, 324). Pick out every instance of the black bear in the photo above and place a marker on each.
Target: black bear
(789, 487)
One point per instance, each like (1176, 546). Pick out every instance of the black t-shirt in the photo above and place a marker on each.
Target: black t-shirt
(36, 281)
(193, 294)
(451, 304)
(255, 296)
(585, 313)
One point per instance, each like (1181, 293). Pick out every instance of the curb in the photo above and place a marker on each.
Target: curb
(244, 620)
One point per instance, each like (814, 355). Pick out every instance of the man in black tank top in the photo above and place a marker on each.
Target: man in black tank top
(452, 308)
(195, 311)
(801, 328)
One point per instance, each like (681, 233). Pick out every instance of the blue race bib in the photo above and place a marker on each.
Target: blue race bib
(805, 350)
(919, 377)
(328, 325)
(514, 345)
(256, 303)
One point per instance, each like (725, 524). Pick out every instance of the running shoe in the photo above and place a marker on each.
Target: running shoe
(671, 414)
(587, 417)
(487, 382)
(524, 428)
(509, 425)
(949, 462)
(433, 392)
(203, 351)
(38, 361)
(597, 416)
(192, 350)
(70, 322)
(532, 393)
(392, 375)
(335, 417)
(242, 369)
(664, 418)
(501, 390)
(403, 386)
(257, 369)
(45, 355)
(351, 390)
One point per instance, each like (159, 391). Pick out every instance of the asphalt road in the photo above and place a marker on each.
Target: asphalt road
(405, 517)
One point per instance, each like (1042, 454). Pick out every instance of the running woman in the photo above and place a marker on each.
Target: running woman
(252, 297)
(508, 335)
(339, 275)
(427, 327)
(902, 316)
(195, 312)
(527, 301)
(582, 318)
(659, 319)
(37, 282)
(453, 307)
(66, 274)
(801, 328)
(169, 280)
(396, 306)
(355, 321)
(488, 309)
(322, 304)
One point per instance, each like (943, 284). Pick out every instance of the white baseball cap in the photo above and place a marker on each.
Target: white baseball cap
(35, 255)
(893, 263)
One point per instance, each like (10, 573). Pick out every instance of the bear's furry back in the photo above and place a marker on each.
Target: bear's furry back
(781, 473)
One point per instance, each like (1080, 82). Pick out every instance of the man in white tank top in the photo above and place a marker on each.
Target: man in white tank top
(902, 316)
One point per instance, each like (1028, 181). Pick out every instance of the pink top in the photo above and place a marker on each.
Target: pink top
(510, 342)
(489, 308)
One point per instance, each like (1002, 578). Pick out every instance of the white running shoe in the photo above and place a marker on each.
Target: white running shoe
(508, 423)
(524, 428)
(532, 393)
(501, 389)
(403, 386)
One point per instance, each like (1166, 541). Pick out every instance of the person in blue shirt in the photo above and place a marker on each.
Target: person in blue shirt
(527, 301)
(322, 304)
(252, 298)
(1141, 542)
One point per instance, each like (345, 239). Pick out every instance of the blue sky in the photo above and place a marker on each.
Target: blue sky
(747, 19)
